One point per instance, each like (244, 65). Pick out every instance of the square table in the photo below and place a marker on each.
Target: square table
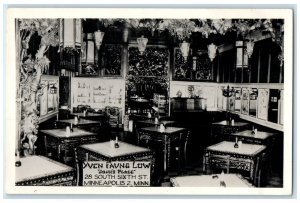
(230, 180)
(61, 141)
(81, 122)
(151, 122)
(226, 127)
(42, 171)
(244, 157)
(259, 138)
(106, 152)
(167, 136)
(90, 116)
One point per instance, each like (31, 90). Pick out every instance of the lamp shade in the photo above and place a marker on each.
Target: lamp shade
(184, 48)
(250, 47)
(142, 43)
(98, 38)
(212, 51)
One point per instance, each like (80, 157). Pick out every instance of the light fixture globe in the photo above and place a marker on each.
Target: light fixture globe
(98, 38)
(184, 48)
(250, 47)
(212, 51)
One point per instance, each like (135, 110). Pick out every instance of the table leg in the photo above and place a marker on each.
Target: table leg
(168, 152)
(165, 154)
(204, 162)
(46, 146)
(179, 151)
(58, 151)
(251, 170)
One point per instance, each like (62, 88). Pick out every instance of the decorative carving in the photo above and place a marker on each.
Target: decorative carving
(112, 57)
(154, 62)
(31, 70)
(185, 70)
(182, 69)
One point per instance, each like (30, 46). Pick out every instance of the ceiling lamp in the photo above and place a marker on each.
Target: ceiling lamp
(98, 38)
(185, 48)
(142, 43)
(250, 47)
(212, 51)
(70, 33)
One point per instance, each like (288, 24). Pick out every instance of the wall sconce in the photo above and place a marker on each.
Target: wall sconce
(212, 51)
(142, 43)
(53, 89)
(70, 32)
(228, 92)
(250, 47)
(184, 48)
(98, 38)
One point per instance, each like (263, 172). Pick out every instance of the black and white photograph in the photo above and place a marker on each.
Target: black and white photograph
(186, 101)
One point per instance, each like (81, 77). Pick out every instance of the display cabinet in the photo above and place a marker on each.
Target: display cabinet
(98, 93)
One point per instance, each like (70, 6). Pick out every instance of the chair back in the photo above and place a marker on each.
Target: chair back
(260, 168)
(219, 162)
(113, 115)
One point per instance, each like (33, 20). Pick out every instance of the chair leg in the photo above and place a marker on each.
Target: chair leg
(185, 149)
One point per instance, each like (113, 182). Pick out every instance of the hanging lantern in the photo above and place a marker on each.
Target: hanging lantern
(185, 48)
(142, 43)
(98, 38)
(53, 89)
(89, 48)
(212, 51)
(70, 33)
(250, 46)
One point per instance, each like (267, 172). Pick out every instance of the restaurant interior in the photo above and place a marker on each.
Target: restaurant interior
(201, 99)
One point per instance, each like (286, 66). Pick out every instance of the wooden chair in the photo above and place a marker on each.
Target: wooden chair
(181, 149)
(260, 170)
(113, 115)
(218, 162)
(81, 108)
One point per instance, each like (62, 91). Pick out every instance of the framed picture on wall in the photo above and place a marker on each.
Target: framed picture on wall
(263, 102)
(245, 101)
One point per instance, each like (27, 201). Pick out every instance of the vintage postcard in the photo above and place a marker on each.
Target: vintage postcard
(149, 101)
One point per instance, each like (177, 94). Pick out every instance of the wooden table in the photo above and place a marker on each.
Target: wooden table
(243, 158)
(259, 138)
(105, 152)
(225, 127)
(168, 136)
(81, 122)
(42, 171)
(150, 122)
(90, 116)
(60, 141)
(214, 180)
